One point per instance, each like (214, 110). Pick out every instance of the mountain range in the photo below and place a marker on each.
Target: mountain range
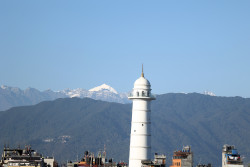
(13, 96)
(66, 127)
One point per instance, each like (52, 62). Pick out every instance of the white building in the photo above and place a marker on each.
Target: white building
(140, 137)
(49, 161)
(230, 157)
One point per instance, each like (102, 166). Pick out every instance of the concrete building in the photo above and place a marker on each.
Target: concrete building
(50, 161)
(90, 160)
(183, 158)
(159, 161)
(23, 157)
(140, 137)
(231, 157)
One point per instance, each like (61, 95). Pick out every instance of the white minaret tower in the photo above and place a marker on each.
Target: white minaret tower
(140, 137)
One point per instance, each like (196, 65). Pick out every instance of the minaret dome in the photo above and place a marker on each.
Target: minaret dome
(142, 83)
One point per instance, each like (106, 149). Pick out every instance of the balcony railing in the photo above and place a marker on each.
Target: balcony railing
(140, 94)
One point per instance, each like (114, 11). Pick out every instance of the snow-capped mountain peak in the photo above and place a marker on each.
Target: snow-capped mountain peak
(103, 87)
(209, 93)
(4, 87)
(74, 92)
(32, 96)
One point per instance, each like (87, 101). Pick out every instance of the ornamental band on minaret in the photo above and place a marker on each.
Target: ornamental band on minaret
(140, 137)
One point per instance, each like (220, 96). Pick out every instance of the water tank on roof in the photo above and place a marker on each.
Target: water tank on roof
(234, 152)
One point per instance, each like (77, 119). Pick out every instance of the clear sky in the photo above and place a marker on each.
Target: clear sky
(185, 45)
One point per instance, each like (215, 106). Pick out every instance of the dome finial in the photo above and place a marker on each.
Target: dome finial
(142, 74)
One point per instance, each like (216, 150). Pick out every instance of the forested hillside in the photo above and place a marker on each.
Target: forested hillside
(67, 127)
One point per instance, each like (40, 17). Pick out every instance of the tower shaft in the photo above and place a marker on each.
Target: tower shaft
(140, 138)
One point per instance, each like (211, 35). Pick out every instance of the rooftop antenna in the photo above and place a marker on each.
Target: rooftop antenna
(142, 74)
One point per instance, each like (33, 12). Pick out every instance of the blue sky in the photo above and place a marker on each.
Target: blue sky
(185, 46)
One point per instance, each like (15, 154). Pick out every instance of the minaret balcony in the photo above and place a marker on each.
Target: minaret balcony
(135, 95)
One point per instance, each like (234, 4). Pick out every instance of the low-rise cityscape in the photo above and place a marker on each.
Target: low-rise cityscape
(17, 157)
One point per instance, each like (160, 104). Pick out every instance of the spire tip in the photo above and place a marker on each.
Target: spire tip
(142, 74)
